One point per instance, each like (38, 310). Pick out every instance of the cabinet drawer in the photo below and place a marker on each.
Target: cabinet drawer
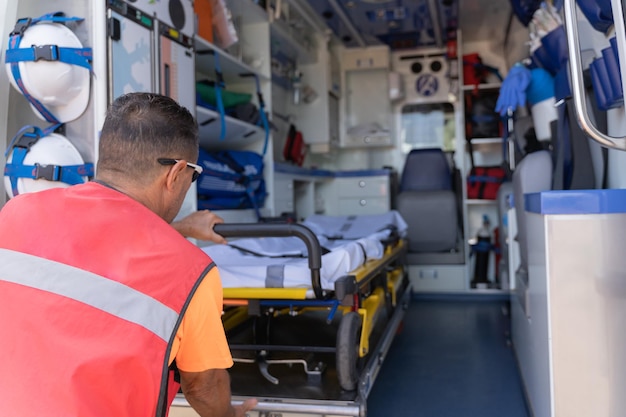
(362, 187)
(364, 205)
(283, 186)
(367, 140)
(283, 206)
(437, 278)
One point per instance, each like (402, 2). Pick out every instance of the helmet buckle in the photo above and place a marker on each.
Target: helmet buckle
(46, 52)
(47, 172)
(20, 26)
(27, 140)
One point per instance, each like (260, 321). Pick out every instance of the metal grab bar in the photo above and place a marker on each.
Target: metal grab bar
(576, 71)
(282, 230)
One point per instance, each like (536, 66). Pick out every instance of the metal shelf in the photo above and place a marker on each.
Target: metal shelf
(487, 86)
(487, 144)
(486, 141)
(480, 202)
(238, 133)
(286, 38)
(232, 68)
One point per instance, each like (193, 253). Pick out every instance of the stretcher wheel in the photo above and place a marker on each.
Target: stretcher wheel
(348, 341)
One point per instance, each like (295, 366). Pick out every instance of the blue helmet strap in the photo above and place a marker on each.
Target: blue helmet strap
(14, 55)
(21, 144)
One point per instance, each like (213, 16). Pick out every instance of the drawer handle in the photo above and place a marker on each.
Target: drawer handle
(363, 202)
(361, 184)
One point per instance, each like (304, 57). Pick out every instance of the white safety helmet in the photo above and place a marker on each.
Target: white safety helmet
(62, 88)
(51, 156)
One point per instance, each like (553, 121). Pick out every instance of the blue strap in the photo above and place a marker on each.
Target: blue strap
(58, 17)
(15, 72)
(70, 174)
(23, 135)
(14, 54)
(74, 56)
(250, 193)
(18, 157)
(20, 145)
(219, 84)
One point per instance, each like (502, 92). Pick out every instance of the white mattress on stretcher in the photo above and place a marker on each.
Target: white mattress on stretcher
(272, 262)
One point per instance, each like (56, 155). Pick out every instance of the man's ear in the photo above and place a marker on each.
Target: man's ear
(175, 175)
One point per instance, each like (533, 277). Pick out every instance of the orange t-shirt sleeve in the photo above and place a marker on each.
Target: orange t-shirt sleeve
(200, 342)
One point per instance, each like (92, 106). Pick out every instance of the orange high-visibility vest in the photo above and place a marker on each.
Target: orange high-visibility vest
(93, 286)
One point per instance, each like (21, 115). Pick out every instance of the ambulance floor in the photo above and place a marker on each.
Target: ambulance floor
(451, 358)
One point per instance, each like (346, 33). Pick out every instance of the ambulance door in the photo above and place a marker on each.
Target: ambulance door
(176, 75)
(131, 50)
(177, 66)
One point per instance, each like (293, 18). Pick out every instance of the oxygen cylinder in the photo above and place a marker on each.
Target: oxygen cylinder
(481, 251)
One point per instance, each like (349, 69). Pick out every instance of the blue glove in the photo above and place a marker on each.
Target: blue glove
(513, 89)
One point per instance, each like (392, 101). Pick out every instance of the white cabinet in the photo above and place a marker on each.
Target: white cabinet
(341, 193)
(284, 201)
(367, 106)
(318, 117)
(437, 278)
(570, 339)
(303, 190)
(360, 193)
(364, 205)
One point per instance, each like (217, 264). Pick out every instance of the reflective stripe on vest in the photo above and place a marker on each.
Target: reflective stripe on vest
(86, 287)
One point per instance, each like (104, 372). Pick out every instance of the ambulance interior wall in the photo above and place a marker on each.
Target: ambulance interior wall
(10, 8)
(493, 53)
(82, 132)
(591, 44)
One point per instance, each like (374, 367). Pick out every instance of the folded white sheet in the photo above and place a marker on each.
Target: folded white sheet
(284, 263)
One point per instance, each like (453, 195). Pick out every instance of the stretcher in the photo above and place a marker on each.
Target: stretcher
(313, 346)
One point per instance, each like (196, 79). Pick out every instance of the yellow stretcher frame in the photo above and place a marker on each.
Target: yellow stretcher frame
(362, 273)
(371, 289)
(368, 309)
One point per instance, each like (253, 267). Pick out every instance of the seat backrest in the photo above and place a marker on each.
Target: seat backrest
(426, 170)
(532, 175)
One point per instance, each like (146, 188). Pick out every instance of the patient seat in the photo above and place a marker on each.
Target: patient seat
(428, 203)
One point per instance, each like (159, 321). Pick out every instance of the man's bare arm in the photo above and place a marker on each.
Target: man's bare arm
(199, 225)
(208, 393)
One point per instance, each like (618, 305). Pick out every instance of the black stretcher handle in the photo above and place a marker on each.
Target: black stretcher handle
(281, 230)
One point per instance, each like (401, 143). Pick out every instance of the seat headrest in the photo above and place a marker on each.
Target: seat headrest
(426, 170)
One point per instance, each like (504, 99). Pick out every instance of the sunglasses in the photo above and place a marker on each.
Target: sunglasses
(197, 169)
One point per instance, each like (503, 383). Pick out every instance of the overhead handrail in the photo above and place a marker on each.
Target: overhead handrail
(576, 70)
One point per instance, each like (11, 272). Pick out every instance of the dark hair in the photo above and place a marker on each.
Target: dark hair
(141, 127)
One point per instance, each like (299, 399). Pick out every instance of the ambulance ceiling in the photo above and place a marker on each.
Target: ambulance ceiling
(398, 23)
(413, 23)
